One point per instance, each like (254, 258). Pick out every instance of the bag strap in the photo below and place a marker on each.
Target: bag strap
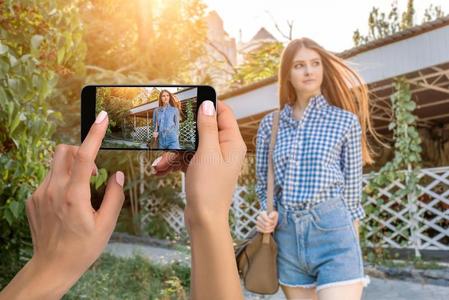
(270, 177)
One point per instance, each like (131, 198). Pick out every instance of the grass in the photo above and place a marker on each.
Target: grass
(131, 278)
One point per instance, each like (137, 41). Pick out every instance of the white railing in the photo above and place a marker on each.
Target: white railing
(186, 133)
(397, 224)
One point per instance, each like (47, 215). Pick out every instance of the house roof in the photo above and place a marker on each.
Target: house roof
(263, 34)
(405, 34)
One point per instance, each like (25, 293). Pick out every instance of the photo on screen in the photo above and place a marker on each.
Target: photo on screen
(157, 118)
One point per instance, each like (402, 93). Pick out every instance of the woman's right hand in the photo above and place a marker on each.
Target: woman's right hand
(155, 134)
(267, 223)
(212, 172)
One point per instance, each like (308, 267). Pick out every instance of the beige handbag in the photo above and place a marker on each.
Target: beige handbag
(256, 256)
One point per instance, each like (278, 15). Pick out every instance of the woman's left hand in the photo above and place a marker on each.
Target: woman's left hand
(68, 234)
(356, 226)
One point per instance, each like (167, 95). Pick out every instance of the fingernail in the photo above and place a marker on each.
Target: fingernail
(101, 116)
(208, 108)
(120, 178)
(156, 161)
(154, 164)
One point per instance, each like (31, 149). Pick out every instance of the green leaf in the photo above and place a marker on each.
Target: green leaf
(14, 207)
(60, 55)
(410, 106)
(36, 41)
(14, 124)
(3, 49)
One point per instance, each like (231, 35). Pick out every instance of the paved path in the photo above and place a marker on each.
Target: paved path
(378, 289)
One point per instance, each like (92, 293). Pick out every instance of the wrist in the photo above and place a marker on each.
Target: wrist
(200, 220)
(39, 280)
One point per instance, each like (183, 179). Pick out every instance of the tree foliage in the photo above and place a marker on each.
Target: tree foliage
(37, 46)
(259, 64)
(382, 24)
(160, 40)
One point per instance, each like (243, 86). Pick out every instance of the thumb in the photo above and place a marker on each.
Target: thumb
(273, 215)
(112, 202)
(207, 127)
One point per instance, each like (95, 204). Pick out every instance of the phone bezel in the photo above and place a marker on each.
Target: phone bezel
(88, 103)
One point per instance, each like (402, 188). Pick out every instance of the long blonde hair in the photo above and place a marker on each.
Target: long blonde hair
(341, 86)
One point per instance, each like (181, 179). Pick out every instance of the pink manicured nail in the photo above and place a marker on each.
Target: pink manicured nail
(154, 164)
(156, 161)
(208, 108)
(101, 116)
(120, 178)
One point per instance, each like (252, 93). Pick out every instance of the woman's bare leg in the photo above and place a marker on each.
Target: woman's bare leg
(299, 293)
(351, 291)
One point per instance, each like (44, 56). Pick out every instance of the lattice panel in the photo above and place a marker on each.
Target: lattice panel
(142, 134)
(175, 218)
(433, 209)
(186, 133)
(402, 225)
(245, 213)
(391, 226)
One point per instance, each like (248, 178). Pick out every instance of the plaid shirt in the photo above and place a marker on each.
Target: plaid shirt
(316, 158)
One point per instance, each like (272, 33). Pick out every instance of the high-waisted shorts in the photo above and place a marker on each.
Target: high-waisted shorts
(318, 247)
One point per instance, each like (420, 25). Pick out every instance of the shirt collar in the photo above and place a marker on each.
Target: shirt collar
(315, 103)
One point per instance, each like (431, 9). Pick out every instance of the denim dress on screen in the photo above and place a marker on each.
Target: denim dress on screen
(167, 120)
(318, 190)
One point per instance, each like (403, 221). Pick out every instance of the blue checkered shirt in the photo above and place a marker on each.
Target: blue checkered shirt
(316, 158)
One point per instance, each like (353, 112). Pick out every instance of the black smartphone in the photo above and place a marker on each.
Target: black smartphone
(146, 117)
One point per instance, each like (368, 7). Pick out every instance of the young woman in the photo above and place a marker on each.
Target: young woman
(320, 149)
(166, 121)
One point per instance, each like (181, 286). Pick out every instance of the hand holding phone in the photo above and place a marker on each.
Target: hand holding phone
(68, 234)
(212, 172)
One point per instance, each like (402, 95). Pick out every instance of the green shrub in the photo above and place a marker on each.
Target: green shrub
(36, 45)
(131, 278)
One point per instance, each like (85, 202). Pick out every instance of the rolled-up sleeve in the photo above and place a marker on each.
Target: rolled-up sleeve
(176, 119)
(154, 120)
(352, 168)
(262, 147)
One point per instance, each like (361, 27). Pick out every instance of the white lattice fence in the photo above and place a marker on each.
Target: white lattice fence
(401, 224)
(244, 212)
(142, 133)
(150, 205)
(425, 226)
(186, 133)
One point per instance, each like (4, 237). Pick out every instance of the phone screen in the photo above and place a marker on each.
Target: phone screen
(149, 117)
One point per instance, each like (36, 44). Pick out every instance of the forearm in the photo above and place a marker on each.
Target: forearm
(356, 226)
(36, 281)
(214, 270)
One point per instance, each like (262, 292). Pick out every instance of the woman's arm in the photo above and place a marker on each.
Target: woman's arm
(68, 234)
(155, 120)
(262, 147)
(352, 167)
(176, 119)
(211, 178)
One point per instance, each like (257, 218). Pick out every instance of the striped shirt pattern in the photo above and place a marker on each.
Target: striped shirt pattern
(316, 158)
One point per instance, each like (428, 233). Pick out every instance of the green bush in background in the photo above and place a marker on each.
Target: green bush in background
(38, 40)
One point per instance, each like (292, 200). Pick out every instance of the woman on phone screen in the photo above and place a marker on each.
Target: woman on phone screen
(166, 122)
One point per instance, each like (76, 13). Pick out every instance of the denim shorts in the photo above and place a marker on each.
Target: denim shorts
(318, 247)
(168, 141)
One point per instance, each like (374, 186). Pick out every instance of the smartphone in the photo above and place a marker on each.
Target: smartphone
(146, 117)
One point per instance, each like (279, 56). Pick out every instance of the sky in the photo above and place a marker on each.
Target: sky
(331, 23)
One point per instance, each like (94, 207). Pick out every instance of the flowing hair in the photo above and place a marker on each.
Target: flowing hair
(172, 100)
(178, 106)
(342, 87)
